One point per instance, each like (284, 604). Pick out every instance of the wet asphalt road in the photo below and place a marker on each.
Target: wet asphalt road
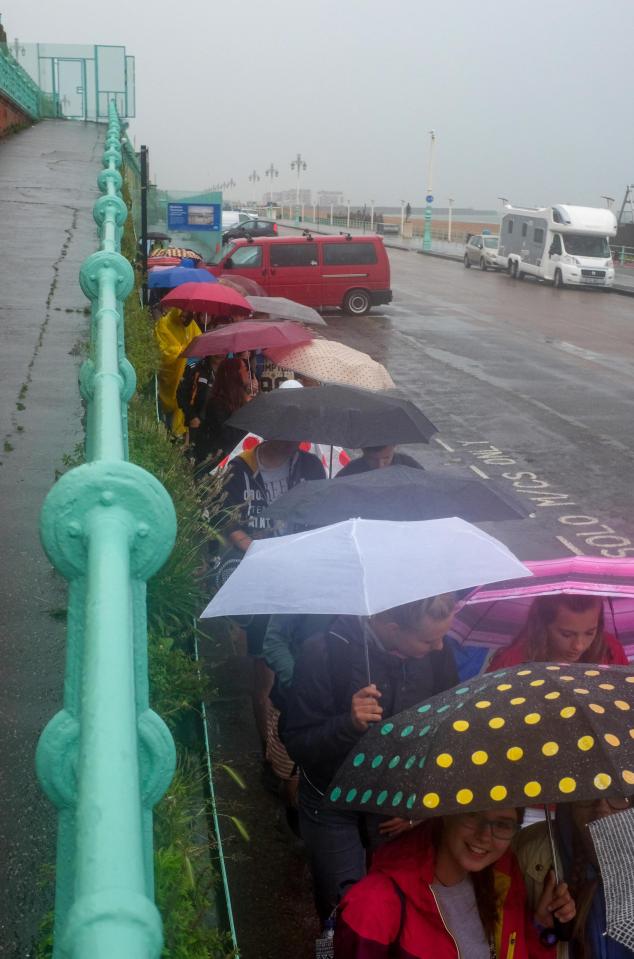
(47, 189)
(528, 385)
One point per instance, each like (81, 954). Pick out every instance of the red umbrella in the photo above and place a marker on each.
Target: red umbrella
(244, 285)
(207, 298)
(246, 335)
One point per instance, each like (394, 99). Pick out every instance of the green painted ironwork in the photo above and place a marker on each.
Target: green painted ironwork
(17, 85)
(106, 758)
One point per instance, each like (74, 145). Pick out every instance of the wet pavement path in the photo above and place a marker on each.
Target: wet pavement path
(528, 385)
(47, 190)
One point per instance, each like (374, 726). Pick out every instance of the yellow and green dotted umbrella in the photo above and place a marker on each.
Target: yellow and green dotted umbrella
(535, 733)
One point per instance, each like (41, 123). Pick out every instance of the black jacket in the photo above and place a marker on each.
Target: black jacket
(317, 729)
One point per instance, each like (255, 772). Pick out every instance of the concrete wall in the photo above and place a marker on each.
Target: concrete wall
(11, 117)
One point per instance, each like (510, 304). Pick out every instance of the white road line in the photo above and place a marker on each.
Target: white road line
(445, 446)
(571, 546)
(476, 469)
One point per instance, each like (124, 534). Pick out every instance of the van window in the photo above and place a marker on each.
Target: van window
(555, 246)
(524, 229)
(250, 255)
(509, 226)
(293, 254)
(344, 254)
(538, 235)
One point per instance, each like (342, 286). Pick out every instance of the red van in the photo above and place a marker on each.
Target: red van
(352, 272)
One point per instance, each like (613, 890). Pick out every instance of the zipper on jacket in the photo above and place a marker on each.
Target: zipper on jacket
(442, 919)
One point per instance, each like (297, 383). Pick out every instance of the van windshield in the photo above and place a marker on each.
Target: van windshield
(222, 252)
(585, 244)
(491, 242)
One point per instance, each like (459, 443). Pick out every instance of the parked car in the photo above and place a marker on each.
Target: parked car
(231, 218)
(321, 271)
(482, 251)
(250, 228)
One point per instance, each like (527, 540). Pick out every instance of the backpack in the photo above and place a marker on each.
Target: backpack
(325, 945)
(187, 389)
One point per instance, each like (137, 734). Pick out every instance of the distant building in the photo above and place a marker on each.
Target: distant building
(289, 197)
(330, 198)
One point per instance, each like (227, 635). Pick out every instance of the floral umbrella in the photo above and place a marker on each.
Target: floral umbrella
(539, 732)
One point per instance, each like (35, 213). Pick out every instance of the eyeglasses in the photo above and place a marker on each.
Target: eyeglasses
(500, 828)
(614, 802)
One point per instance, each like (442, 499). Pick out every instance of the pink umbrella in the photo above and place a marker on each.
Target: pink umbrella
(207, 298)
(246, 335)
(492, 616)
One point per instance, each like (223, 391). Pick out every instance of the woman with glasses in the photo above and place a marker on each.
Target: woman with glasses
(451, 888)
(577, 861)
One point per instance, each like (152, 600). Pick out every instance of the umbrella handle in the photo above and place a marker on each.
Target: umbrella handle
(561, 931)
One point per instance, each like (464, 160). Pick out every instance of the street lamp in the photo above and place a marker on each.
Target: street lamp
(348, 220)
(504, 200)
(271, 172)
(609, 200)
(298, 164)
(371, 216)
(429, 197)
(402, 216)
(451, 202)
(253, 178)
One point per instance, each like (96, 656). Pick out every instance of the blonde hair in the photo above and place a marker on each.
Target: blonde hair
(410, 615)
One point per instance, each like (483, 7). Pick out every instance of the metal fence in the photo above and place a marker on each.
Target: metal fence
(105, 759)
(18, 86)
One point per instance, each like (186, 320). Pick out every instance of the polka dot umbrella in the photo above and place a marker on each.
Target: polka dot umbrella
(537, 733)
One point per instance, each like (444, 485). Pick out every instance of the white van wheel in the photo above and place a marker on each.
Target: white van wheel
(467, 262)
(558, 280)
(356, 302)
(483, 265)
(513, 269)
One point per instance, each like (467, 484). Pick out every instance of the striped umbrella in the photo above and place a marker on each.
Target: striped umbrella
(182, 253)
(492, 617)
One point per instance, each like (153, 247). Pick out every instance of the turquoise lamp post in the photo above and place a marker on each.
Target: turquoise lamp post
(429, 199)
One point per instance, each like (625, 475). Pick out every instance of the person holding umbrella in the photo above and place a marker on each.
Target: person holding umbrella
(375, 458)
(254, 480)
(563, 628)
(452, 887)
(361, 671)
(577, 859)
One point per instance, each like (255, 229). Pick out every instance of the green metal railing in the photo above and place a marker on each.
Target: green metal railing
(16, 84)
(105, 759)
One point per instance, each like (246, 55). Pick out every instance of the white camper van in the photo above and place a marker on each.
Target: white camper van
(566, 245)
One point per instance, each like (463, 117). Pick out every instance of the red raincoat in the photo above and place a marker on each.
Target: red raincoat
(372, 911)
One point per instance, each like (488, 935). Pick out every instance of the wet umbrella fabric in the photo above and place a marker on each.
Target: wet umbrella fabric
(613, 838)
(536, 733)
(176, 276)
(246, 335)
(337, 415)
(207, 298)
(243, 284)
(493, 616)
(283, 307)
(396, 493)
(332, 362)
(361, 567)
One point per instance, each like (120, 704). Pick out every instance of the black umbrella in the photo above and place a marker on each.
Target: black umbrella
(334, 414)
(396, 493)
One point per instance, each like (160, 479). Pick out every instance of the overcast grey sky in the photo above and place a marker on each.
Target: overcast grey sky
(531, 101)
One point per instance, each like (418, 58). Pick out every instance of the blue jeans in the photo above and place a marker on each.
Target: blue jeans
(336, 844)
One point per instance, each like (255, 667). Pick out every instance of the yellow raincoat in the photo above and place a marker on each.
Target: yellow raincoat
(173, 338)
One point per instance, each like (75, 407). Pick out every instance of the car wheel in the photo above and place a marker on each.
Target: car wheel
(513, 269)
(356, 302)
(467, 262)
(483, 265)
(558, 280)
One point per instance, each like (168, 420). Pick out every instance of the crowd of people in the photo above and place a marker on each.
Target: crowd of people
(476, 883)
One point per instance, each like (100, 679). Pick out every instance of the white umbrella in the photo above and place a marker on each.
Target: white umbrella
(361, 567)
